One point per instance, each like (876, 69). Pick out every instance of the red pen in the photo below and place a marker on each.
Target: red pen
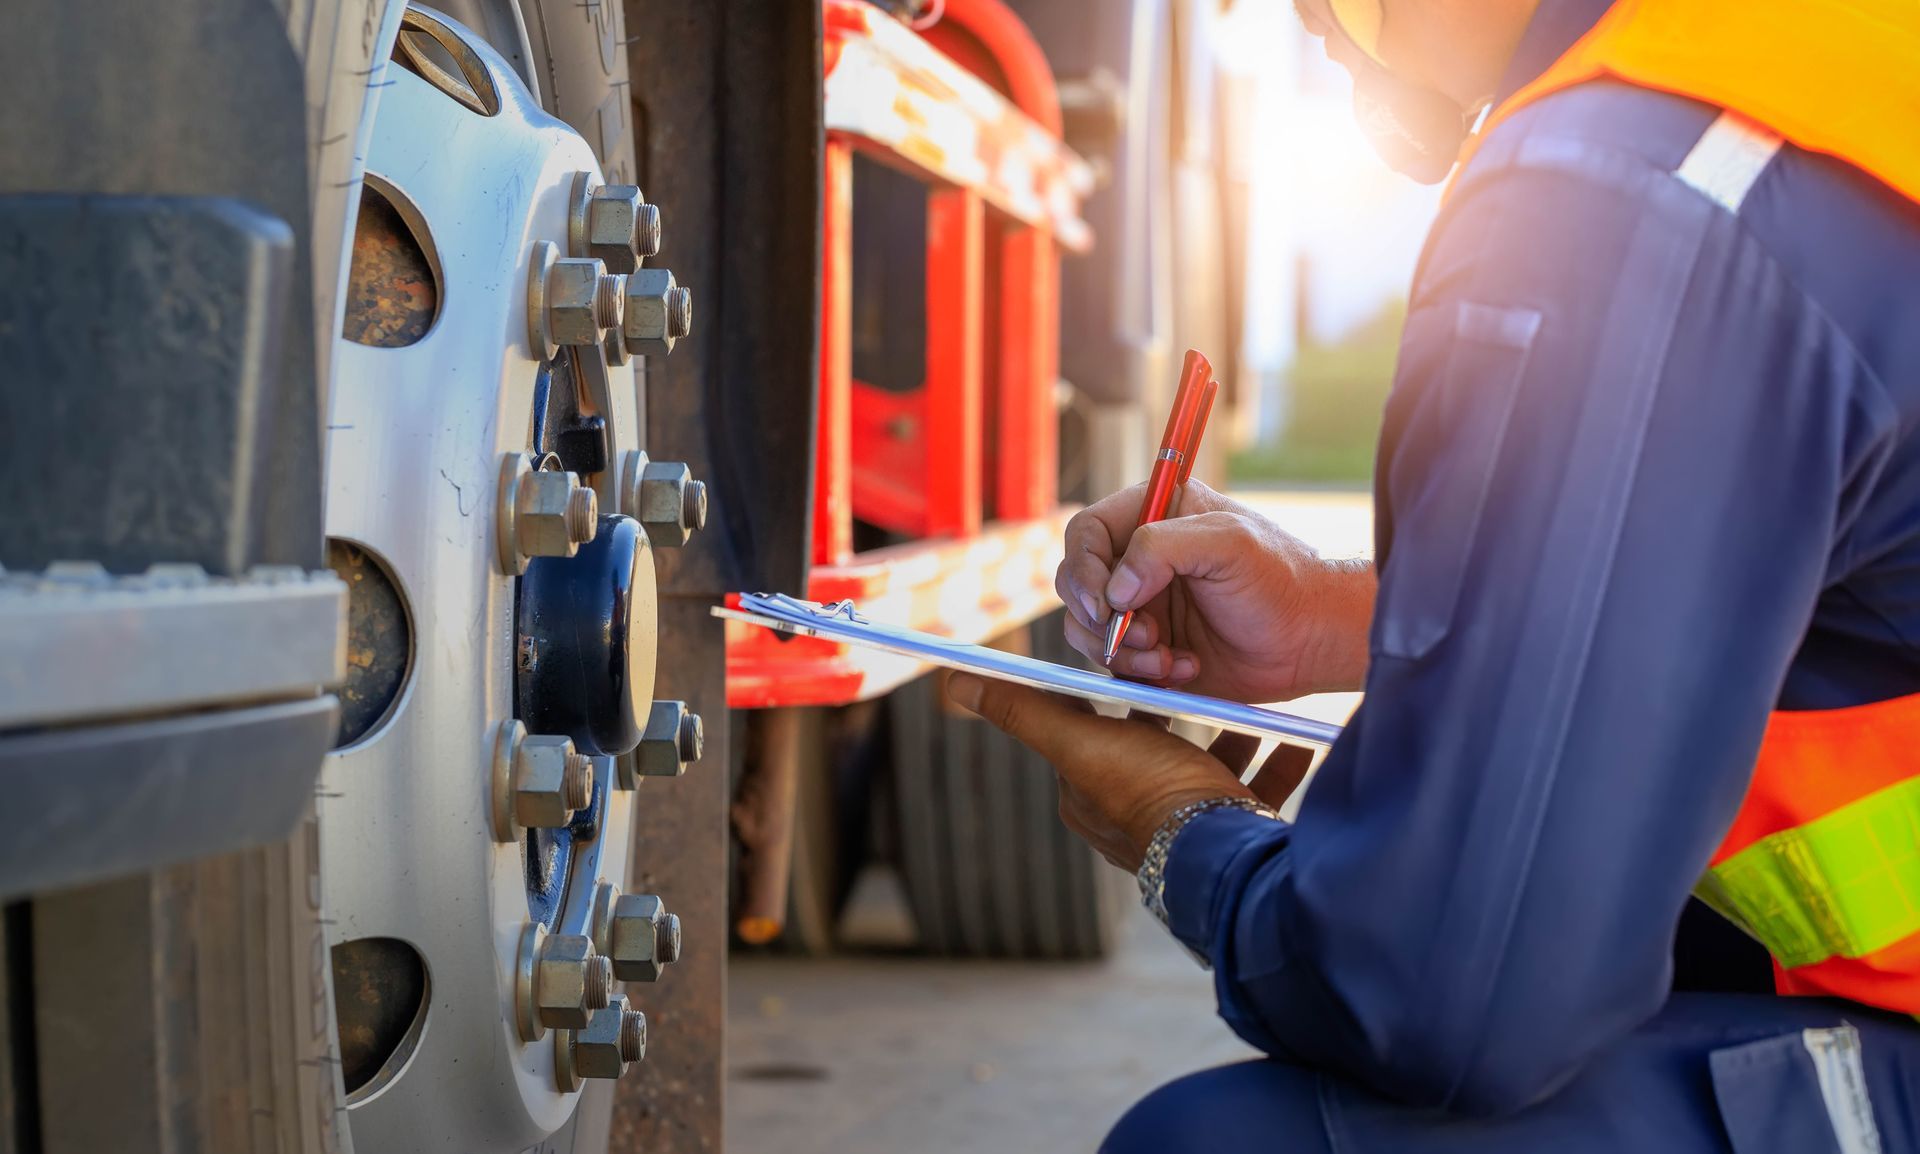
(1191, 405)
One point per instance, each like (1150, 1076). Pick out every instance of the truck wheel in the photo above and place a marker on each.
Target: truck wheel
(498, 606)
(990, 871)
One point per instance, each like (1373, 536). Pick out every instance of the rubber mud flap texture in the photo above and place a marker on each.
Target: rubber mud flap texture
(989, 868)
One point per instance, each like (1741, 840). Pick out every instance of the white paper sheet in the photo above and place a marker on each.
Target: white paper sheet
(843, 622)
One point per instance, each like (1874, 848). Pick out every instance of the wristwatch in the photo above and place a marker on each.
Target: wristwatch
(1152, 874)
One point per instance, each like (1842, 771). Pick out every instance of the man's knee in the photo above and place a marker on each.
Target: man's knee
(1262, 1105)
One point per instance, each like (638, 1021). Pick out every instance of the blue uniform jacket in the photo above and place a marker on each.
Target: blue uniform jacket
(1649, 471)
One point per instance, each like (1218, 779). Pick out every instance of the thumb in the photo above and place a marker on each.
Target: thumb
(1038, 720)
(1199, 546)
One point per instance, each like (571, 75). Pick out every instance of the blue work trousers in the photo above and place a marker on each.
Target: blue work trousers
(1711, 1072)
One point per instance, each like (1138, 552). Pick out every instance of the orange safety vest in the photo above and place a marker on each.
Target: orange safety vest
(1822, 863)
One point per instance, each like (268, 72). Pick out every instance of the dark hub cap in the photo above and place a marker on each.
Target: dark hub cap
(581, 671)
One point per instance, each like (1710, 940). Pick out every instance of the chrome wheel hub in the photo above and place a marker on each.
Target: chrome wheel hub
(483, 437)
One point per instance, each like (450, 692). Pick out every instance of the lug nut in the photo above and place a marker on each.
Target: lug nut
(539, 781)
(604, 1046)
(583, 300)
(541, 513)
(571, 301)
(672, 740)
(570, 981)
(550, 782)
(642, 938)
(658, 312)
(613, 222)
(664, 498)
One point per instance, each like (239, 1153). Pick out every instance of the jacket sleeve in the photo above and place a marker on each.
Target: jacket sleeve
(1618, 464)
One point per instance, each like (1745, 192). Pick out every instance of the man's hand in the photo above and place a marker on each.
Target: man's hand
(1257, 615)
(1119, 780)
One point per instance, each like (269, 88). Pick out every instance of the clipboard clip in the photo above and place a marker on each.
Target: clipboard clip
(843, 609)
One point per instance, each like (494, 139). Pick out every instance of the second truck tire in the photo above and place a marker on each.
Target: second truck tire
(990, 870)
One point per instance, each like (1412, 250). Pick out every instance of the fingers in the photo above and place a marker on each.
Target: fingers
(1083, 608)
(1091, 545)
(1099, 533)
(1157, 720)
(1042, 722)
(1065, 734)
(1203, 546)
(1281, 774)
(1139, 657)
(1085, 642)
(1234, 750)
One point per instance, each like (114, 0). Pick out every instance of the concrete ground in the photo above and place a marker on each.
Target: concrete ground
(885, 1053)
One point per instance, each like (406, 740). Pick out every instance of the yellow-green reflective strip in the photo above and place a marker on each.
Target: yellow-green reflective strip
(1845, 884)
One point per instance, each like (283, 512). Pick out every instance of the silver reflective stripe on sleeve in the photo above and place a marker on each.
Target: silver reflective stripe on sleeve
(1728, 158)
(1843, 1086)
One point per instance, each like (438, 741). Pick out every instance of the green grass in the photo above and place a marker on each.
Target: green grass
(1339, 392)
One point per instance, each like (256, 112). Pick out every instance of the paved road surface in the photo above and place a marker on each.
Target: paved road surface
(901, 1055)
(883, 1054)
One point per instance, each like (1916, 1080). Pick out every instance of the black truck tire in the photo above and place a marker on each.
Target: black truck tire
(188, 1008)
(990, 871)
(198, 998)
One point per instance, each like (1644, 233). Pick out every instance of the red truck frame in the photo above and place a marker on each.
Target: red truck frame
(970, 110)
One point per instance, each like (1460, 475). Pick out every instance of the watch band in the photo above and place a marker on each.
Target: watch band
(1152, 874)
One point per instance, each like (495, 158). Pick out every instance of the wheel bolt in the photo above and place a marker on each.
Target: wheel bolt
(679, 312)
(633, 1035)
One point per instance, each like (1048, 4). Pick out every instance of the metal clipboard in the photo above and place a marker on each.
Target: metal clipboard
(841, 621)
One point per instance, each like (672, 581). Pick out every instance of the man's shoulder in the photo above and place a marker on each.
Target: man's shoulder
(1604, 120)
(1846, 241)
